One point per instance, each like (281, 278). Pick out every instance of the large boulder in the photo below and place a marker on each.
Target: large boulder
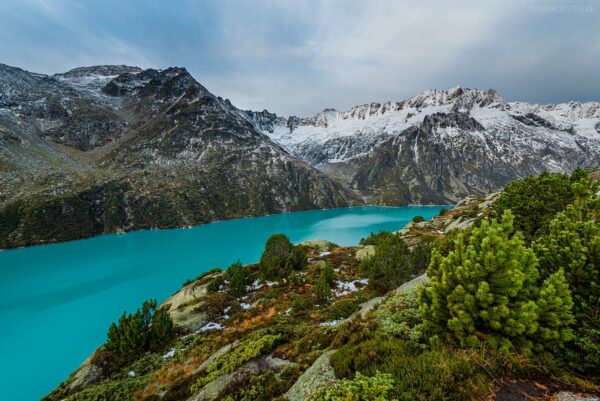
(317, 375)
(184, 306)
(365, 252)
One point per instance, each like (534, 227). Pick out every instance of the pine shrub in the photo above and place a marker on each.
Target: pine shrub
(535, 200)
(280, 257)
(391, 264)
(237, 275)
(490, 291)
(572, 245)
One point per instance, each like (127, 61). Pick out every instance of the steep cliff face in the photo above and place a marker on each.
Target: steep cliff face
(113, 147)
(440, 146)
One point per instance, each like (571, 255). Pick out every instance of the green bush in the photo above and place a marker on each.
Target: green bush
(280, 257)
(535, 200)
(201, 277)
(267, 387)
(122, 390)
(419, 375)
(446, 244)
(300, 303)
(322, 290)
(374, 239)
(215, 284)
(148, 329)
(573, 245)
(490, 291)
(361, 388)
(390, 265)
(418, 219)
(237, 275)
(258, 343)
(341, 309)
(420, 255)
(443, 212)
(399, 316)
(328, 273)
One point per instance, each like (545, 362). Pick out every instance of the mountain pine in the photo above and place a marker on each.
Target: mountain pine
(281, 257)
(573, 245)
(535, 200)
(490, 291)
(237, 275)
(391, 264)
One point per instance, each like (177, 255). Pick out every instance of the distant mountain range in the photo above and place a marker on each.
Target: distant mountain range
(439, 146)
(110, 148)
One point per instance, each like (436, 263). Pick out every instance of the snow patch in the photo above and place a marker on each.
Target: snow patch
(169, 354)
(211, 326)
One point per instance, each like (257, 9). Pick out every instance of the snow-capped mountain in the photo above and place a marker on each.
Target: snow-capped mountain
(440, 145)
(117, 147)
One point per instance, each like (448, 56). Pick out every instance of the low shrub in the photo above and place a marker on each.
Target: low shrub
(391, 264)
(201, 278)
(418, 219)
(258, 343)
(399, 316)
(374, 239)
(215, 284)
(361, 388)
(444, 374)
(122, 390)
(300, 303)
(340, 309)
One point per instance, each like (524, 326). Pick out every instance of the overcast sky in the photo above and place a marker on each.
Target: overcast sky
(299, 57)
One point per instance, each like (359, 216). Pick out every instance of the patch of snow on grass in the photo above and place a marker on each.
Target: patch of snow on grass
(346, 287)
(169, 354)
(332, 323)
(211, 326)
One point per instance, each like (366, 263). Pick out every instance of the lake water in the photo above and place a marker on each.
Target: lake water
(56, 301)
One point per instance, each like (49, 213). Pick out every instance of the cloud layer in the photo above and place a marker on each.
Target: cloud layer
(300, 57)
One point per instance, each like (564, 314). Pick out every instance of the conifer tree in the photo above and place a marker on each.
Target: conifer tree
(148, 329)
(573, 246)
(237, 275)
(391, 264)
(489, 290)
(281, 257)
(322, 289)
(535, 200)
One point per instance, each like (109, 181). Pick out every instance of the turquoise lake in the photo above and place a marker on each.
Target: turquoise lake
(56, 301)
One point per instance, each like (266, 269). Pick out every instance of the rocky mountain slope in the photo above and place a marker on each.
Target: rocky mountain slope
(110, 148)
(439, 146)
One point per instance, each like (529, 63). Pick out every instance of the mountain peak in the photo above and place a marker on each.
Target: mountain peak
(462, 99)
(103, 70)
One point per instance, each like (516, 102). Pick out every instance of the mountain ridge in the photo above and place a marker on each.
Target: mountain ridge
(98, 153)
(530, 137)
(94, 130)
